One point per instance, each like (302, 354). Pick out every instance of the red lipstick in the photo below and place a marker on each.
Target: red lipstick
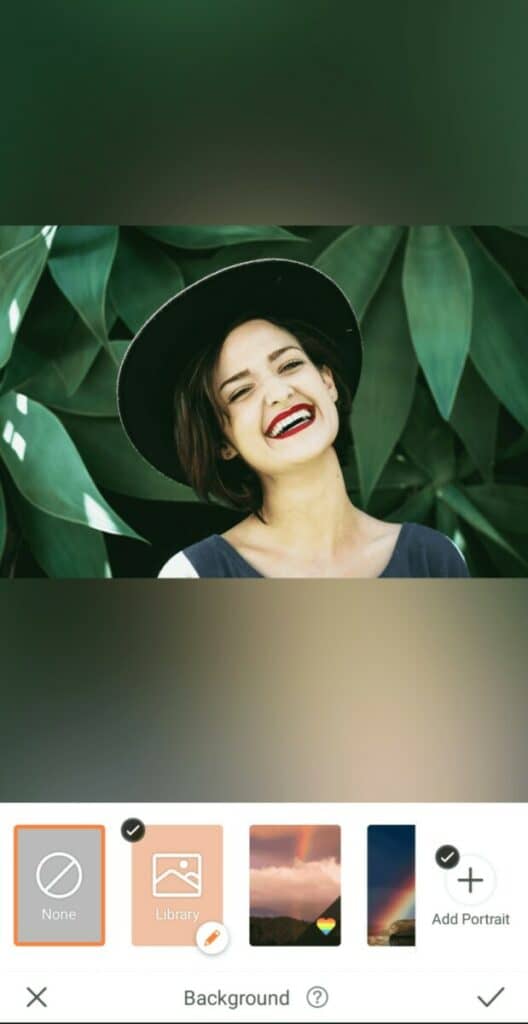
(298, 417)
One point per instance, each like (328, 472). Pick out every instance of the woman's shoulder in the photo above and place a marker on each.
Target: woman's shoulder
(179, 566)
(213, 557)
(191, 562)
(432, 553)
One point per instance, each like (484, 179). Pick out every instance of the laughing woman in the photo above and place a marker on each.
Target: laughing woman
(241, 386)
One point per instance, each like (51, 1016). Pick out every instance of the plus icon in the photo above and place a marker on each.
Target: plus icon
(470, 880)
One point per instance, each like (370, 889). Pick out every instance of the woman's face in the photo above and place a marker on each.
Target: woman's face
(279, 408)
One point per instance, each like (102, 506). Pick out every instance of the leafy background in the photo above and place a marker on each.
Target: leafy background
(440, 421)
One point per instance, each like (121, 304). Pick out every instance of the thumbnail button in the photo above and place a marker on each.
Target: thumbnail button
(59, 885)
(473, 881)
(176, 884)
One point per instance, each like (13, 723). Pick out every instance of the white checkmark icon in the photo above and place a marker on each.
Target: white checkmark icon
(132, 831)
(445, 859)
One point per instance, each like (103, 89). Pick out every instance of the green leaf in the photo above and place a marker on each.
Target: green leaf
(350, 475)
(506, 505)
(13, 235)
(78, 354)
(400, 473)
(80, 261)
(47, 469)
(111, 313)
(508, 565)
(509, 250)
(3, 522)
(116, 464)
(382, 403)
(415, 508)
(515, 449)
(465, 467)
(20, 270)
(523, 230)
(428, 440)
(118, 350)
(203, 236)
(446, 519)
(438, 295)
(195, 265)
(63, 372)
(500, 329)
(96, 395)
(358, 260)
(143, 278)
(69, 363)
(474, 417)
(64, 550)
(48, 321)
(458, 500)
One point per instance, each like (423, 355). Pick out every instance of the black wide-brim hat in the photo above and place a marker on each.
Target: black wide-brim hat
(194, 318)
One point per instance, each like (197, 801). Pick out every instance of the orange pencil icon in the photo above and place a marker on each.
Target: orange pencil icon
(212, 937)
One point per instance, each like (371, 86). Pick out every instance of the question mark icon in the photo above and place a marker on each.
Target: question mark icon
(317, 996)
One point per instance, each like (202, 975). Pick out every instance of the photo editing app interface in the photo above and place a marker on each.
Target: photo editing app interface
(279, 912)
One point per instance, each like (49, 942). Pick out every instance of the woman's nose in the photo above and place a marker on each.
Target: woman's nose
(277, 390)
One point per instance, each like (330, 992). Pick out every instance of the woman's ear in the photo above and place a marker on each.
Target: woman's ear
(227, 451)
(328, 379)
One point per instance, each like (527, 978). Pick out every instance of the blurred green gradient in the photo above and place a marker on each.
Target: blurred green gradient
(293, 690)
(280, 112)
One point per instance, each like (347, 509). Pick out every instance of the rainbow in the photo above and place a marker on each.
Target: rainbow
(400, 908)
(304, 841)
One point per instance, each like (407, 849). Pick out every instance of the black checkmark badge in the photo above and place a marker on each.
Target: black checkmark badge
(133, 830)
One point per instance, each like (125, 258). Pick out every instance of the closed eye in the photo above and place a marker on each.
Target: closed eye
(291, 364)
(239, 393)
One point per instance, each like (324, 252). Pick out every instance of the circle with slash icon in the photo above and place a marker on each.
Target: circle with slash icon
(212, 937)
(59, 875)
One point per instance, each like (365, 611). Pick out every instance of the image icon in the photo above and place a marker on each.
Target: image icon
(177, 875)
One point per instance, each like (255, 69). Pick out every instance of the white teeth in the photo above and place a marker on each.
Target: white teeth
(295, 417)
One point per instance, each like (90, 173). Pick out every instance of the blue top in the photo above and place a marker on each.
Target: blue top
(420, 552)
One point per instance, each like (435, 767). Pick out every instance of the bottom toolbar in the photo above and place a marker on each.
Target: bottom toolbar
(263, 912)
(289, 995)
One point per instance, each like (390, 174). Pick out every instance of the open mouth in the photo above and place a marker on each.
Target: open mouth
(291, 421)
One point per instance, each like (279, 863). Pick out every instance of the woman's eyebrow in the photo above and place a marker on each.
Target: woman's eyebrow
(278, 352)
(236, 376)
(244, 373)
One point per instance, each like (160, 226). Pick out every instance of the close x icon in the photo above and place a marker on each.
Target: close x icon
(36, 997)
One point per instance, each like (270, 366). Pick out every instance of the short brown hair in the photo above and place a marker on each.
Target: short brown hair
(198, 430)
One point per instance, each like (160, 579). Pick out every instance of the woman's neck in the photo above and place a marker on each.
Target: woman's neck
(296, 506)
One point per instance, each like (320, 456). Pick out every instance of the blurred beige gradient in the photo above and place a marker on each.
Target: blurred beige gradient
(264, 690)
